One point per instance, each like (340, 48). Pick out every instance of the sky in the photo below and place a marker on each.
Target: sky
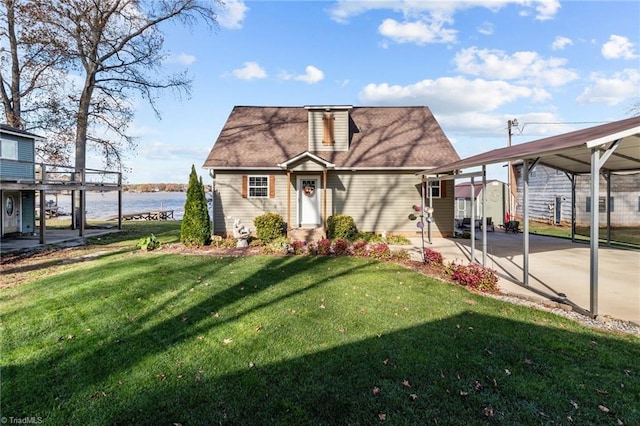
(553, 66)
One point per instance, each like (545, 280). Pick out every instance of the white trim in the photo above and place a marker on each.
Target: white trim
(299, 157)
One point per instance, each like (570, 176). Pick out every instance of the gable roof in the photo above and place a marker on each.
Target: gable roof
(463, 190)
(381, 138)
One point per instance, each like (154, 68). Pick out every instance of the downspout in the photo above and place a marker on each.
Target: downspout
(288, 200)
(324, 200)
(212, 175)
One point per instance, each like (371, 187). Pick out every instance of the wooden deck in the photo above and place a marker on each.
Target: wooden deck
(151, 215)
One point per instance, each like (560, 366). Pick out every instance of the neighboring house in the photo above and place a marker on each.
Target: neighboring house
(17, 154)
(308, 163)
(550, 197)
(497, 194)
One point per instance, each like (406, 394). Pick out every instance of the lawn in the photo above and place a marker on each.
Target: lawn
(129, 337)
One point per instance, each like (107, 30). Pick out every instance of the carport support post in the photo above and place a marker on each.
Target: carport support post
(593, 237)
(43, 214)
(473, 221)
(484, 216)
(608, 208)
(525, 219)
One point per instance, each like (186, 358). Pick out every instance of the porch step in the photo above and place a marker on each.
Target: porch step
(308, 235)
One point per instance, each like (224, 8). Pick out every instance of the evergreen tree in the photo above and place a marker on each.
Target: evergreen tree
(196, 226)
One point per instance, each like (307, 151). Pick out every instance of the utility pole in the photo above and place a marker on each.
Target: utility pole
(510, 175)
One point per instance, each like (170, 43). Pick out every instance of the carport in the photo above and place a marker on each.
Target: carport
(601, 150)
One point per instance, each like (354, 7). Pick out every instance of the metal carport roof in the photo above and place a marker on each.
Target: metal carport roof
(570, 152)
(608, 148)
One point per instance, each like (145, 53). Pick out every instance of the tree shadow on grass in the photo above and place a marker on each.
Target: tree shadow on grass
(469, 368)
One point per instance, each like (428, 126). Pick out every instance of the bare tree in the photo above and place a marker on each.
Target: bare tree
(113, 48)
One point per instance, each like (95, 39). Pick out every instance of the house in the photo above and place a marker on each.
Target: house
(308, 163)
(23, 181)
(17, 154)
(551, 195)
(496, 194)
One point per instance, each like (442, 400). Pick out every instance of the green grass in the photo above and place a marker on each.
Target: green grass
(620, 236)
(154, 338)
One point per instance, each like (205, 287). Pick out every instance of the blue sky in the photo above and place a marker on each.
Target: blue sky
(554, 66)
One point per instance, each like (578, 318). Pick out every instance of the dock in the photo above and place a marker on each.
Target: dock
(150, 215)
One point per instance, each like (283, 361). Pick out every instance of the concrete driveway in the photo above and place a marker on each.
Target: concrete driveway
(556, 266)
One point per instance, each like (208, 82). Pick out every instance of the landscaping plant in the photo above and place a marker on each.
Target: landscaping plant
(269, 227)
(196, 225)
(341, 226)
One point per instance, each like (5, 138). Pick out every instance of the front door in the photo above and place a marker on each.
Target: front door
(10, 212)
(308, 201)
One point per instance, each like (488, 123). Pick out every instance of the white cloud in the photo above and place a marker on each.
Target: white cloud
(182, 58)
(232, 14)
(312, 75)
(451, 94)
(612, 90)
(561, 42)
(346, 9)
(250, 71)
(486, 28)
(618, 47)
(525, 66)
(417, 32)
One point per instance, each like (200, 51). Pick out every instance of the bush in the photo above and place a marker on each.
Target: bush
(380, 251)
(360, 248)
(341, 247)
(195, 229)
(297, 247)
(269, 227)
(399, 240)
(400, 255)
(148, 243)
(432, 256)
(324, 247)
(476, 277)
(341, 226)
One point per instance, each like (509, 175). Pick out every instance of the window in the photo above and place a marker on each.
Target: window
(258, 186)
(602, 208)
(435, 189)
(9, 149)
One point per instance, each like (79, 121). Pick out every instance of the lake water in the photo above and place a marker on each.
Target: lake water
(104, 205)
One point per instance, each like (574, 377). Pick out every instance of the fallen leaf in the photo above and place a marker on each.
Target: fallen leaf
(161, 376)
(602, 392)
(575, 404)
(463, 393)
(620, 422)
(200, 337)
(570, 419)
(198, 379)
(322, 306)
(406, 384)
(386, 361)
(488, 351)
(527, 361)
(342, 329)
(603, 408)
(99, 394)
(382, 416)
(478, 386)
(184, 319)
(507, 372)
(251, 364)
(375, 390)
(227, 341)
(413, 396)
(488, 411)
(258, 327)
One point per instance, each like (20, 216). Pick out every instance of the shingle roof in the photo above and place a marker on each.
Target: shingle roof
(383, 137)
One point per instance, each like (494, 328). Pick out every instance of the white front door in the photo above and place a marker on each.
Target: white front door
(308, 200)
(11, 212)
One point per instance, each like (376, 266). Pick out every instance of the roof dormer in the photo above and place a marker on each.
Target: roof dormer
(328, 127)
